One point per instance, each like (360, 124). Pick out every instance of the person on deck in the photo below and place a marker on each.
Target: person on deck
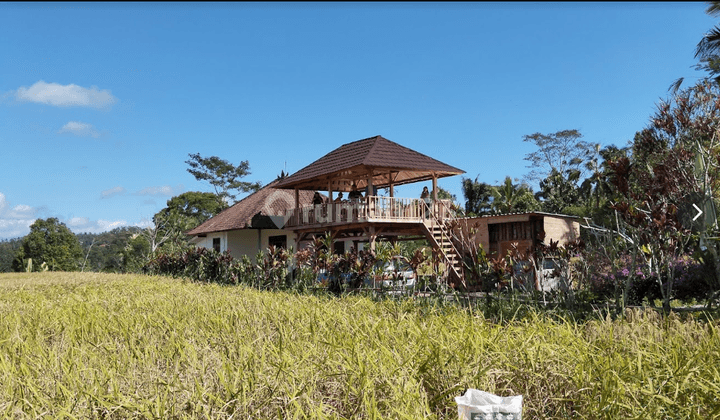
(425, 196)
(355, 195)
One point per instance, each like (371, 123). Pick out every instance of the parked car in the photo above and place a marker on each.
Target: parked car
(324, 278)
(551, 278)
(395, 273)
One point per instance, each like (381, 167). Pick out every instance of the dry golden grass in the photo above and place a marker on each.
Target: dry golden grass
(76, 345)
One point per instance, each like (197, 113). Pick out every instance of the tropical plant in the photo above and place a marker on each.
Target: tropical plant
(478, 197)
(511, 198)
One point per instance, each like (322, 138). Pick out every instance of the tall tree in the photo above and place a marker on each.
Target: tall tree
(52, 243)
(224, 177)
(478, 197)
(193, 207)
(596, 188)
(675, 164)
(183, 212)
(512, 198)
(563, 152)
(558, 193)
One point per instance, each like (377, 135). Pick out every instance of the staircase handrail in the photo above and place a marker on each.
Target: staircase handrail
(444, 235)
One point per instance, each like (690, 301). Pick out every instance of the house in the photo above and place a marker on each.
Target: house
(520, 234)
(500, 233)
(283, 213)
(252, 224)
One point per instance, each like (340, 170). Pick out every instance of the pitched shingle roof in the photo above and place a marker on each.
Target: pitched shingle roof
(268, 201)
(355, 161)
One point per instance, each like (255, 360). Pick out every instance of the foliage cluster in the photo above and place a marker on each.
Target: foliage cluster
(269, 271)
(50, 245)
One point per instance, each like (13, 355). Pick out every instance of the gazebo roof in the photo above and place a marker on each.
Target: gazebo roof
(388, 162)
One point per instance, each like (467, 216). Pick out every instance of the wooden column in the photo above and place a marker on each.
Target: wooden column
(297, 207)
(434, 187)
(392, 184)
(331, 206)
(371, 210)
(434, 194)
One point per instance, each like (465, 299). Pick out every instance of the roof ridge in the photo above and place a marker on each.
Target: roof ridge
(369, 153)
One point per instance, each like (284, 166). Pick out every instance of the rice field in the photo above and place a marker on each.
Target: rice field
(89, 345)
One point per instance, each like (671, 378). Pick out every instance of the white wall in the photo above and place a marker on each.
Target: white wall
(245, 241)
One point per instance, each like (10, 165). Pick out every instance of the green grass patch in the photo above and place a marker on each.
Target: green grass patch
(91, 345)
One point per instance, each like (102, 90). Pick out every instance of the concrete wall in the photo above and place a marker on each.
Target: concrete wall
(250, 241)
(561, 230)
(557, 228)
(246, 241)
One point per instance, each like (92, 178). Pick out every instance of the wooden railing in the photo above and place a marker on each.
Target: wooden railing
(369, 209)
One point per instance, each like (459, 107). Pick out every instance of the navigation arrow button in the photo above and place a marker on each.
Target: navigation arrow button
(699, 212)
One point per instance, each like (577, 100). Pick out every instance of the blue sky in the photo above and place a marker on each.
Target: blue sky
(101, 103)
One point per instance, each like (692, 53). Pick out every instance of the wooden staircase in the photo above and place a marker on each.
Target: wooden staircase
(438, 234)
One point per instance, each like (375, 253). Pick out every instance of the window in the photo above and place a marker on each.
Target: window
(279, 241)
(493, 233)
(216, 244)
(339, 247)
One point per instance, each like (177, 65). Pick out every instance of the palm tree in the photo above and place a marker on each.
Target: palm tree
(707, 51)
(478, 196)
(509, 197)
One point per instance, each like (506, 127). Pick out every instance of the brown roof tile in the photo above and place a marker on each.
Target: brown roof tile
(268, 201)
(354, 160)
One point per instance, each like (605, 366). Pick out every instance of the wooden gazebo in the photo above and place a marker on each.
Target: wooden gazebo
(367, 165)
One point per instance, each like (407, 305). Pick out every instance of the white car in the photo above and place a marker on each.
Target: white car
(395, 273)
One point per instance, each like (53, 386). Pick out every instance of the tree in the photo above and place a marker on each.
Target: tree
(558, 192)
(222, 175)
(478, 197)
(135, 254)
(512, 198)
(104, 252)
(183, 212)
(443, 194)
(193, 207)
(675, 163)
(707, 51)
(563, 152)
(52, 243)
(8, 249)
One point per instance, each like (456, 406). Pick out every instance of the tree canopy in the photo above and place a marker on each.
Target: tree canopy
(52, 243)
(563, 152)
(478, 197)
(224, 177)
(512, 198)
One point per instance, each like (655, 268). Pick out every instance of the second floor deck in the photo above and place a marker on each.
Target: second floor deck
(372, 209)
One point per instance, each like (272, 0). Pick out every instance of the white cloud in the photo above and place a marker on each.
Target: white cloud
(15, 221)
(65, 95)
(85, 225)
(80, 129)
(164, 190)
(112, 192)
